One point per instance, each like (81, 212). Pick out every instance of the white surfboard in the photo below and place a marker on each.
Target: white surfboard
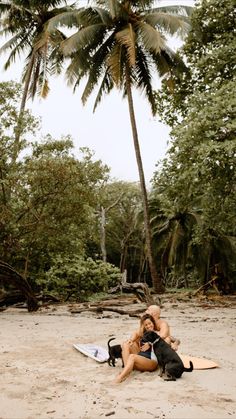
(96, 352)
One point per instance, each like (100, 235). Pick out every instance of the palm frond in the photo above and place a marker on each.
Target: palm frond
(114, 7)
(4, 6)
(144, 79)
(68, 19)
(105, 88)
(16, 40)
(35, 76)
(42, 40)
(96, 65)
(77, 67)
(115, 64)
(82, 38)
(179, 10)
(14, 52)
(169, 24)
(168, 62)
(104, 15)
(152, 39)
(126, 38)
(44, 89)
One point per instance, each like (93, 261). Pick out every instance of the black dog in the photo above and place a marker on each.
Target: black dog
(115, 352)
(169, 362)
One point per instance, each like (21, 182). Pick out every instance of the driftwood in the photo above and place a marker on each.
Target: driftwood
(212, 283)
(11, 277)
(140, 289)
(100, 309)
(8, 298)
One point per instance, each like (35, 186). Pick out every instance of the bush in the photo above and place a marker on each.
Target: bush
(78, 278)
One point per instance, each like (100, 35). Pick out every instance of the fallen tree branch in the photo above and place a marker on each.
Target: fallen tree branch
(101, 309)
(140, 289)
(10, 276)
(202, 287)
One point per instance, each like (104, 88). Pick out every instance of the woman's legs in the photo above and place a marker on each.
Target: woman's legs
(128, 349)
(136, 362)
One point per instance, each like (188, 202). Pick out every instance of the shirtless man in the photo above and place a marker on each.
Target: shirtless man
(162, 326)
(131, 346)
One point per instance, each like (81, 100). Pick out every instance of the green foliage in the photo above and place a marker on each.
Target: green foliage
(112, 37)
(201, 158)
(209, 51)
(198, 174)
(47, 199)
(79, 278)
(121, 202)
(23, 25)
(211, 43)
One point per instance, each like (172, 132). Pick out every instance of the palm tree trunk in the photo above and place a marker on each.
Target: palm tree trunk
(103, 234)
(18, 129)
(156, 280)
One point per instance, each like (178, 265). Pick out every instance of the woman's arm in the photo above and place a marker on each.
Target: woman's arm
(135, 337)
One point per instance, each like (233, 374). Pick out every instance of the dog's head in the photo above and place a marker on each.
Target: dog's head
(150, 336)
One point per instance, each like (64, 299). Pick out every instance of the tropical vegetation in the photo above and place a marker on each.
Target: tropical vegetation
(67, 228)
(198, 175)
(24, 22)
(119, 44)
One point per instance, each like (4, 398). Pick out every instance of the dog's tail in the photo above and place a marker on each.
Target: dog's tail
(108, 343)
(190, 368)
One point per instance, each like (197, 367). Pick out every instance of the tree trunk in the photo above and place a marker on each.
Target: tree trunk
(156, 280)
(103, 234)
(18, 129)
(10, 276)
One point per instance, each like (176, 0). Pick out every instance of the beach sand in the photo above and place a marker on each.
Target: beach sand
(43, 376)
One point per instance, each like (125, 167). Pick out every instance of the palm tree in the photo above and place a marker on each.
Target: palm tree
(24, 21)
(119, 44)
(173, 238)
(178, 241)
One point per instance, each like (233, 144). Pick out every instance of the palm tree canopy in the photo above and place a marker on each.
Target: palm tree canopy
(113, 34)
(23, 24)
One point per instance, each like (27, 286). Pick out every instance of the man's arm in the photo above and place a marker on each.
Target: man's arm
(164, 330)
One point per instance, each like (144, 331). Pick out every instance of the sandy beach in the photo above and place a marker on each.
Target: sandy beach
(43, 376)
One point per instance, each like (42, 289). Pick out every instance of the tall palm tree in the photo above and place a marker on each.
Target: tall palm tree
(24, 21)
(119, 43)
(175, 239)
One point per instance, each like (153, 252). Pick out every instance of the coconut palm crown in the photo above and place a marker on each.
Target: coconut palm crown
(116, 35)
(22, 23)
(122, 44)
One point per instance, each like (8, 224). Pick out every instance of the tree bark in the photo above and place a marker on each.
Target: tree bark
(103, 234)
(11, 276)
(156, 280)
(18, 129)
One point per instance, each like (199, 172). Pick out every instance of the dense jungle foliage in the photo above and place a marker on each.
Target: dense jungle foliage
(71, 231)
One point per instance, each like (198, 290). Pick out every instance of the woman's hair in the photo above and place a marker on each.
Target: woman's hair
(142, 320)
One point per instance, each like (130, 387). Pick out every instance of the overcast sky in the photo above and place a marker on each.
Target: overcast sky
(107, 131)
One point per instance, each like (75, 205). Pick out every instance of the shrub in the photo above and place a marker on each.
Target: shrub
(78, 278)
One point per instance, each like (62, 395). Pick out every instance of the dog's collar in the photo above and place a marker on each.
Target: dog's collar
(155, 341)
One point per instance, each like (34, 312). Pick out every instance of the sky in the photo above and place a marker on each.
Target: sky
(107, 132)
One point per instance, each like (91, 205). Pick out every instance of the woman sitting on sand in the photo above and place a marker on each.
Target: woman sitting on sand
(145, 359)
